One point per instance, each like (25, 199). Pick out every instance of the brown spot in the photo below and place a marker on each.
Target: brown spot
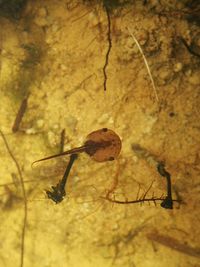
(104, 129)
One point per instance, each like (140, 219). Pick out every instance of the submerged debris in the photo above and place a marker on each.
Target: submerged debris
(20, 114)
(58, 193)
(173, 243)
(167, 203)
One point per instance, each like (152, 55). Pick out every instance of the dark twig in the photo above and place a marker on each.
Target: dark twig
(109, 48)
(135, 201)
(167, 202)
(20, 114)
(24, 197)
(58, 192)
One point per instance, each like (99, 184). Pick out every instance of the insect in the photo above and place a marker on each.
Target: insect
(101, 145)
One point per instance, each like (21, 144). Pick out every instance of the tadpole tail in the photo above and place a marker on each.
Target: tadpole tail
(68, 152)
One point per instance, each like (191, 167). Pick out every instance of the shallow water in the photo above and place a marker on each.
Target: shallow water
(55, 54)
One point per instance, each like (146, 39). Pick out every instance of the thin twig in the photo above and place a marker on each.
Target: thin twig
(109, 49)
(137, 200)
(140, 200)
(146, 63)
(20, 114)
(24, 197)
(85, 14)
(148, 189)
(138, 192)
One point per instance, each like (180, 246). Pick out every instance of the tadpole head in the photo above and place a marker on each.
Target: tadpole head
(103, 145)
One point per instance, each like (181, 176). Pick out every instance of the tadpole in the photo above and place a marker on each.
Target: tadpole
(101, 145)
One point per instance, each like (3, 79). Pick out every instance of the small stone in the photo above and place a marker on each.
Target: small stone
(178, 67)
(110, 121)
(41, 21)
(194, 79)
(42, 12)
(55, 27)
(56, 126)
(63, 67)
(51, 138)
(3, 52)
(165, 75)
(130, 43)
(135, 49)
(40, 123)
(188, 72)
(143, 37)
(103, 119)
(31, 131)
(49, 39)
(76, 179)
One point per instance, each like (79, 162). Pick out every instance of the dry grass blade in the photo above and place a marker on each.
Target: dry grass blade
(175, 244)
(146, 63)
(24, 197)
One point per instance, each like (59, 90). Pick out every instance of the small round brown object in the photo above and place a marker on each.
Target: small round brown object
(103, 145)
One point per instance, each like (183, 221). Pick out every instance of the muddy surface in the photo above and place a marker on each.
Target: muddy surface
(76, 66)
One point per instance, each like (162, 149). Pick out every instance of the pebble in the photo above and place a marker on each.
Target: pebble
(42, 12)
(76, 179)
(111, 120)
(103, 119)
(55, 27)
(51, 138)
(41, 21)
(31, 131)
(188, 72)
(165, 74)
(143, 37)
(63, 67)
(56, 126)
(194, 79)
(178, 67)
(41, 18)
(40, 123)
